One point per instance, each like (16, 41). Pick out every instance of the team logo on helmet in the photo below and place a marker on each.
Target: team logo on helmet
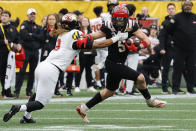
(69, 17)
(69, 21)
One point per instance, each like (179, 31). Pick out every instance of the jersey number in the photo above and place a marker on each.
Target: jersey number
(58, 44)
(121, 46)
(96, 27)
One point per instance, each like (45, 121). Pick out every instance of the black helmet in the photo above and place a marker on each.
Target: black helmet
(110, 3)
(70, 21)
(120, 16)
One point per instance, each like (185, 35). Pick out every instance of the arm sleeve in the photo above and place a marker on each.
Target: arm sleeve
(162, 37)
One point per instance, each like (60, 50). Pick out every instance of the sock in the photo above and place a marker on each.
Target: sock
(27, 114)
(23, 108)
(84, 108)
(95, 100)
(145, 93)
(98, 83)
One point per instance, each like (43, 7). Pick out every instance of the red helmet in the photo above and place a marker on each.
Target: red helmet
(120, 16)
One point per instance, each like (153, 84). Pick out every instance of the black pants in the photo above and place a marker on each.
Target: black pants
(117, 72)
(31, 57)
(167, 58)
(86, 61)
(3, 66)
(183, 60)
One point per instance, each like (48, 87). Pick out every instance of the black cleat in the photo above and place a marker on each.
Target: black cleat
(69, 93)
(24, 120)
(13, 111)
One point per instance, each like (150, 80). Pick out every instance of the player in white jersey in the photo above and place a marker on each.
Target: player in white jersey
(69, 40)
(110, 5)
(100, 58)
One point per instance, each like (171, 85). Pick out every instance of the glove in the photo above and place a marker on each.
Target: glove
(144, 43)
(81, 42)
(130, 46)
(120, 36)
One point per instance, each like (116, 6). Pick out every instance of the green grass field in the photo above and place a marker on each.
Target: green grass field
(115, 114)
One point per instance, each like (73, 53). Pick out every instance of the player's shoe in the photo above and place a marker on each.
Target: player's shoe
(155, 103)
(82, 114)
(14, 109)
(77, 89)
(91, 89)
(25, 120)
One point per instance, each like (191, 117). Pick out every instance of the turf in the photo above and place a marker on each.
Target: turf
(115, 114)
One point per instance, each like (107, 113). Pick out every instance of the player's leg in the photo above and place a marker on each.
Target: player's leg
(47, 76)
(131, 74)
(112, 84)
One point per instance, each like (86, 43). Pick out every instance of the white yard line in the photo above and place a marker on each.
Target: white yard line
(115, 118)
(79, 99)
(101, 110)
(88, 127)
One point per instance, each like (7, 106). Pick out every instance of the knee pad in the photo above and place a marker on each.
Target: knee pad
(34, 105)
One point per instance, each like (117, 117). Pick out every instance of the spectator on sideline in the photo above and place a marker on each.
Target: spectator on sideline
(86, 59)
(144, 14)
(11, 40)
(183, 28)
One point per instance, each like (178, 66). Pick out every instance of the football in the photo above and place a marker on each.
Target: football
(135, 41)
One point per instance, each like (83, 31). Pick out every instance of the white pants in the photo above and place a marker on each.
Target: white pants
(46, 77)
(101, 56)
(132, 62)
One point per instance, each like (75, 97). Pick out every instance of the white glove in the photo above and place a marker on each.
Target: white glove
(120, 36)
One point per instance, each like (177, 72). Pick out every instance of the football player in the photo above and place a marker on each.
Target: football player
(110, 5)
(69, 40)
(96, 24)
(117, 54)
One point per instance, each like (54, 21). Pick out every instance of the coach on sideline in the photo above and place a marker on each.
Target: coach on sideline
(183, 28)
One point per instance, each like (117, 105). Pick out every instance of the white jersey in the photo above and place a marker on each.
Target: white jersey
(154, 42)
(63, 54)
(96, 24)
(106, 16)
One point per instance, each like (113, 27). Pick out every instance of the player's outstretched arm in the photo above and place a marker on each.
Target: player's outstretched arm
(86, 43)
(97, 35)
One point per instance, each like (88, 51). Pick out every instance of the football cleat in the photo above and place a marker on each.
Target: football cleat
(82, 114)
(25, 120)
(156, 103)
(13, 111)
